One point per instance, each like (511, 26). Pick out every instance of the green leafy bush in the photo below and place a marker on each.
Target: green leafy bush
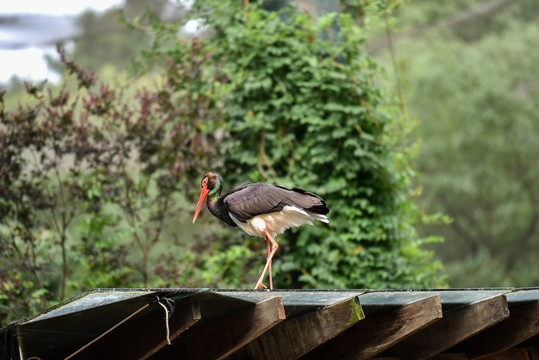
(304, 111)
(478, 158)
(91, 181)
(97, 183)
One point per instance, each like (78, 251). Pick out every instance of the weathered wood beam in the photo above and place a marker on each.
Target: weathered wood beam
(455, 327)
(299, 335)
(379, 332)
(533, 345)
(222, 337)
(513, 354)
(142, 336)
(522, 325)
(449, 356)
(532, 342)
(186, 314)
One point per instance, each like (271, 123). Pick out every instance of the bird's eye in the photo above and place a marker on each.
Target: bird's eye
(205, 182)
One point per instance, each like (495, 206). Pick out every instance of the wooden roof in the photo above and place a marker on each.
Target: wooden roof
(282, 324)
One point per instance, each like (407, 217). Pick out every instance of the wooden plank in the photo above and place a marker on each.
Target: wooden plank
(299, 335)
(142, 336)
(297, 302)
(179, 322)
(455, 327)
(451, 298)
(68, 327)
(222, 337)
(449, 356)
(513, 354)
(379, 332)
(532, 342)
(523, 324)
(533, 347)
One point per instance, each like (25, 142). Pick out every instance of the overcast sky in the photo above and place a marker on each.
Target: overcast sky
(55, 7)
(29, 63)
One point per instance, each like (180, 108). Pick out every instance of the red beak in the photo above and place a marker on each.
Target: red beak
(203, 193)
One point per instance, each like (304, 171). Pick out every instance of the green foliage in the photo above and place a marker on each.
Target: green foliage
(91, 181)
(104, 39)
(98, 182)
(302, 111)
(466, 20)
(478, 107)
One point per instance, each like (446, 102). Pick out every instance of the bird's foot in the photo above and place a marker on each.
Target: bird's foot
(260, 285)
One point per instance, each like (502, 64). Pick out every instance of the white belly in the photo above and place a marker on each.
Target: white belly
(278, 222)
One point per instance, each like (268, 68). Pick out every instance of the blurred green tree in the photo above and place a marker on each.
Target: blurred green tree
(95, 182)
(92, 181)
(303, 111)
(105, 40)
(476, 102)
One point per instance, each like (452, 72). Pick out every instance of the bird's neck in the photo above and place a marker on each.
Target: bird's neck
(215, 203)
(215, 195)
(217, 207)
(214, 200)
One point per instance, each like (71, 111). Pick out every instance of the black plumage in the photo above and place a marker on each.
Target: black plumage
(253, 199)
(261, 209)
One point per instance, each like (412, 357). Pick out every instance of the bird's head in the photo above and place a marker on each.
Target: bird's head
(211, 184)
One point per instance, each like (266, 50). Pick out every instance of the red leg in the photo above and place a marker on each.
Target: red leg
(274, 247)
(269, 268)
(261, 285)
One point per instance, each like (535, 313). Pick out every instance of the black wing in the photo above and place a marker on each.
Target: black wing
(253, 199)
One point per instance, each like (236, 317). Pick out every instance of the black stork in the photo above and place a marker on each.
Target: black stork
(262, 210)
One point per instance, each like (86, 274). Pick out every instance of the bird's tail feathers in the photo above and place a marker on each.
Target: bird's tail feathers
(310, 202)
(318, 217)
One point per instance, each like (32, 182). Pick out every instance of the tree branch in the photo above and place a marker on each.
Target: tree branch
(484, 9)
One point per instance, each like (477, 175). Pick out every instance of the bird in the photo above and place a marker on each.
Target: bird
(262, 210)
